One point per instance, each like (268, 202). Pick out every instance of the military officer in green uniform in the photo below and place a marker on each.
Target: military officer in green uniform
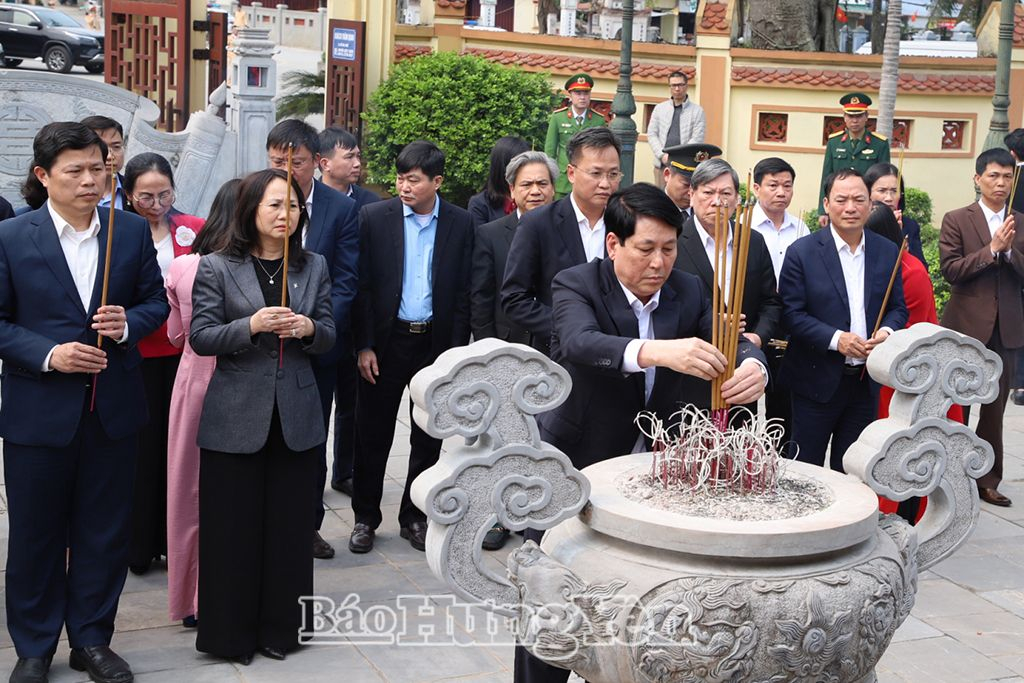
(855, 147)
(566, 122)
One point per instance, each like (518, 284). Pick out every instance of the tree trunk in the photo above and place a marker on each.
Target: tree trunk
(801, 25)
(877, 27)
(890, 68)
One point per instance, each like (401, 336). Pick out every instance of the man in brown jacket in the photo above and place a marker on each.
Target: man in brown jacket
(982, 257)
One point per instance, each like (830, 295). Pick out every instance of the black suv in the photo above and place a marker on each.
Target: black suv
(27, 32)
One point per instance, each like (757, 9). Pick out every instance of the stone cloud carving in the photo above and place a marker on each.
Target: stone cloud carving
(623, 593)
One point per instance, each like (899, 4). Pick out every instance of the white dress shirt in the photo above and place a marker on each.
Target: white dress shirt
(591, 236)
(852, 262)
(709, 249)
(309, 213)
(82, 253)
(995, 221)
(778, 239)
(630, 357)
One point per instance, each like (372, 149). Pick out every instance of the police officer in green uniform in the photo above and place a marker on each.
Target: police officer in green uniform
(855, 147)
(566, 122)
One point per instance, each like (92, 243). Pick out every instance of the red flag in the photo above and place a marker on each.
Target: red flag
(840, 15)
(913, 17)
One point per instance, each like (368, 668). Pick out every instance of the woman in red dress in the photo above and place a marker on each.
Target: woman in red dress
(149, 186)
(920, 300)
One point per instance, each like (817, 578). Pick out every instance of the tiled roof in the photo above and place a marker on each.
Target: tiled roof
(457, 4)
(408, 51)
(1018, 25)
(560, 64)
(715, 18)
(863, 80)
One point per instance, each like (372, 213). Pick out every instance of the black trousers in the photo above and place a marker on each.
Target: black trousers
(990, 415)
(254, 547)
(325, 381)
(149, 501)
(69, 511)
(345, 443)
(377, 408)
(840, 421)
(777, 401)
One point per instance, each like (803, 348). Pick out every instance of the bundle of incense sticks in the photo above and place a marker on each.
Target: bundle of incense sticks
(727, 298)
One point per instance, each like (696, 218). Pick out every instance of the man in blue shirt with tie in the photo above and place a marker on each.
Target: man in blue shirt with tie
(412, 304)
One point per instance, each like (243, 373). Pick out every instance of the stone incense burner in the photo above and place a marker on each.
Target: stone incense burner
(621, 592)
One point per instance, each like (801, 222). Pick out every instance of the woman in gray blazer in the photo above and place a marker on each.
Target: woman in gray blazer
(260, 425)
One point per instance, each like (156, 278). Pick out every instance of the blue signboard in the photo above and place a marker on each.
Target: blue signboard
(343, 44)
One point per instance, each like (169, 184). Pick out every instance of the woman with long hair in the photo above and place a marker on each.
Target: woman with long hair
(194, 373)
(495, 200)
(261, 422)
(886, 186)
(149, 188)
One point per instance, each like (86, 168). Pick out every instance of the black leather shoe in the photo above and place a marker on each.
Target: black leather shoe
(190, 621)
(322, 550)
(361, 540)
(244, 660)
(416, 534)
(1018, 397)
(102, 663)
(343, 486)
(495, 538)
(140, 569)
(31, 670)
(272, 653)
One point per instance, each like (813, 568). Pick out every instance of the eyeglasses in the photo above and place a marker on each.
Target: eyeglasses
(597, 176)
(147, 201)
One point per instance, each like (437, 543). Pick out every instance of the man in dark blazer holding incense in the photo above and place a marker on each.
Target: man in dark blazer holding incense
(832, 284)
(560, 235)
(715, 184)
(69, 464)
(333, 233)
(414, 259)
(628, 329)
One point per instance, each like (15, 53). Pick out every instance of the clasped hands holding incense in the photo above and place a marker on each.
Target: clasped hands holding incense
(74, 357)
(854, 346)
(281, 321)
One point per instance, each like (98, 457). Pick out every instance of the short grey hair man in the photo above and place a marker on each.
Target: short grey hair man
(530, 157)
(711, 169)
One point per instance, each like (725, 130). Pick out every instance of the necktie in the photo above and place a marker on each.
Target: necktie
(579, 120)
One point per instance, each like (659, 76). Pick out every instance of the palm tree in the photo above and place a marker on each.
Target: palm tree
(304, 96)
(890, 68)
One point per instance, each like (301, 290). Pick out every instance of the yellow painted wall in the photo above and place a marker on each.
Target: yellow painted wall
(945, 175)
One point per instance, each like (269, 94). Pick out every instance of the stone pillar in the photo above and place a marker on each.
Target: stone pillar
(449, 16)
(280, 23)
(254, 8)
(250, 101)
(714, 69)
(487, 10)
(198, 69)
(321, 17)
(567, 25)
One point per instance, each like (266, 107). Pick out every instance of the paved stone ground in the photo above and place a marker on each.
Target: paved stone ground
(967, 625)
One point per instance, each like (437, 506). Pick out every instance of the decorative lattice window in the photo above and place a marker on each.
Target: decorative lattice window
(900, 133)
(953, 133)
(772, 126)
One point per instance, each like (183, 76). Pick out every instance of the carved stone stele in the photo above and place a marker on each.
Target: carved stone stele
(620, 592)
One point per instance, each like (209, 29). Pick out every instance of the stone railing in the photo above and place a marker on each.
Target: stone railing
(293, 28)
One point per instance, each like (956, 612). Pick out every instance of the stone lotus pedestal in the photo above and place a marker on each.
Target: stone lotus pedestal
(620, 592)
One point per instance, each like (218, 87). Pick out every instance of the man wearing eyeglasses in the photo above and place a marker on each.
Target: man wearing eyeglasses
(714, 187)
(676, 121)
(557, 236)
(333, 232)
(112, 134)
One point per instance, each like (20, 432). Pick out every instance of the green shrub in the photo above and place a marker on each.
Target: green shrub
(461, 103)
(930, 243)
(918, 205)
(810, 219)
